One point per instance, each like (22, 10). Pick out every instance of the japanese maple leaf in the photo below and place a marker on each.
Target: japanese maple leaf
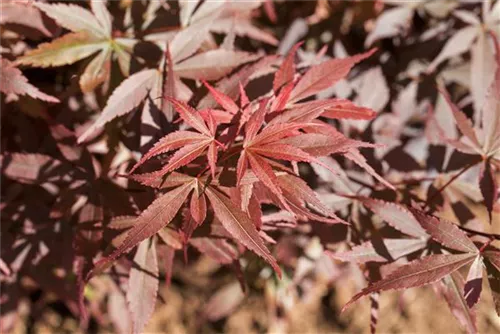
(23, 13)
(289, 91)
(434, 267)
(259, 148)
(91, 33)
(482, 139)
(399, 218)
(396, 21)
(151, 84)
(192, 144)
(13, 82)
(222, 17)
(475, 37)
(163, 210)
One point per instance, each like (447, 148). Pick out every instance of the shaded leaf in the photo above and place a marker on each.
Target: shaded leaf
(488, 186)
(13, 81)
(156, 216)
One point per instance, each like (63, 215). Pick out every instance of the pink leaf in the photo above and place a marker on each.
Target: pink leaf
(482, 73)
(12, 81)
(318, 145)
(185, 155)
(474, 284)
(28, 168)
(492, 263)
(23, 13)
(213, 65)
(266, 175)
(224, 302)
(451, 288)
(190, 116)
(456, 45)
(255, 122)
(463, 123)
(324, 75)
(491, 114)
(390, 23)
(143, 285)
(397, 216)
(299, 189)
(360, 160)
(367, 252)
(169, 88)
(348, 110)
(218, 249)
(170, 237)
(286, 71)
(225, 101)
(198, 207)
(307, 111)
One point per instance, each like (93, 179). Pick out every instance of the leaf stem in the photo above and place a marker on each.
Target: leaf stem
(450, 181)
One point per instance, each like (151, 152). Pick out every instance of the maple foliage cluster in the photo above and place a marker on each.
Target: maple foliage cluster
(166, 132)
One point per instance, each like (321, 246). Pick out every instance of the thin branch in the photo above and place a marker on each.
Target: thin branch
(483, 234)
